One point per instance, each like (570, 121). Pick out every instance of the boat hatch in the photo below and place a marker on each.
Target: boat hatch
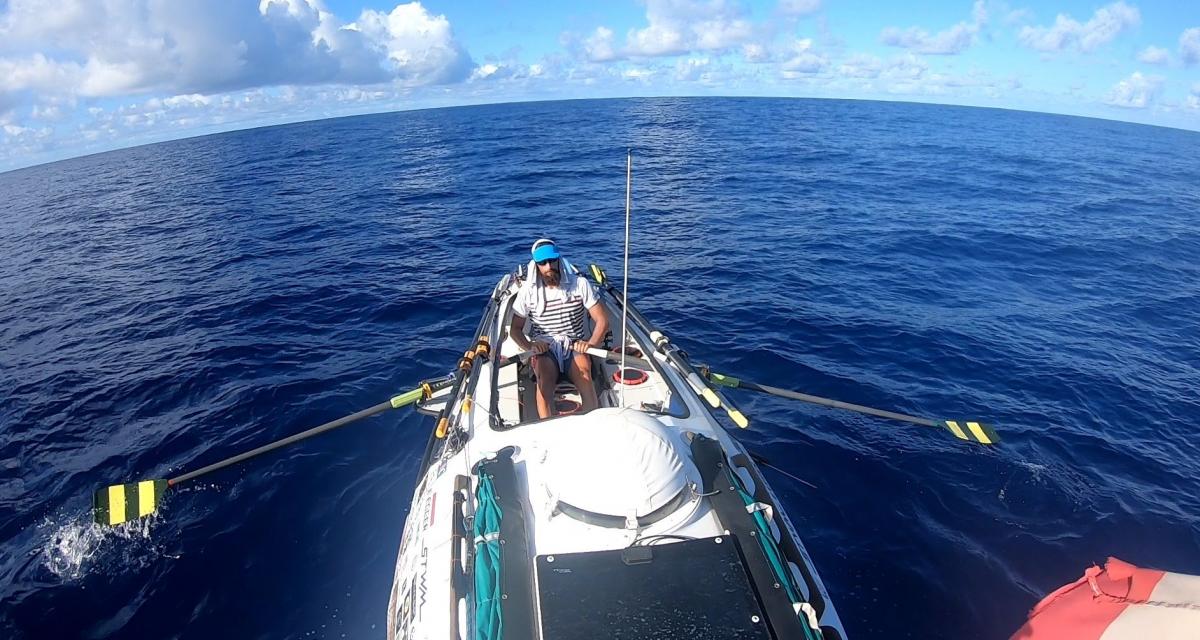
(692, 589)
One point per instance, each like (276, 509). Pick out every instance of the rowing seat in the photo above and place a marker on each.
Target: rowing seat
(528, 386)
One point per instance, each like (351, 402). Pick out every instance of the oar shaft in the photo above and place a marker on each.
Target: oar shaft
(328, 426)
(616, 356)
(836, 404)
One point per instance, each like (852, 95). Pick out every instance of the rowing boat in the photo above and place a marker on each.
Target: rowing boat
(643, 518)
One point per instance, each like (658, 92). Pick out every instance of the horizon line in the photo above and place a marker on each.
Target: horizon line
(253, 127)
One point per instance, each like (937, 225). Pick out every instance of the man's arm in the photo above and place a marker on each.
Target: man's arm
(600, 322)
(517, 333)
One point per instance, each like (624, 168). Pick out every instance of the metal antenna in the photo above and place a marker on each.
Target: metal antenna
(625, 277)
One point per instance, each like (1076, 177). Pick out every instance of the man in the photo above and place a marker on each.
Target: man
(553, 301)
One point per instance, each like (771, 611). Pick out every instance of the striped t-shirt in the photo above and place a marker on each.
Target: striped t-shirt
(563, 312)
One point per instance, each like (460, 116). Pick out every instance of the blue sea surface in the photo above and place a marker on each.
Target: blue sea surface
(166, 306)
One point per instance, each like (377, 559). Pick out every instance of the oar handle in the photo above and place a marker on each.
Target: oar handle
(516, 357)
(674, 356)
(736, 415)
(394, 403)
(616, 356)
(591, 351)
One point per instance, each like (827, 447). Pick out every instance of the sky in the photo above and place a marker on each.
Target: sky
(83, 76)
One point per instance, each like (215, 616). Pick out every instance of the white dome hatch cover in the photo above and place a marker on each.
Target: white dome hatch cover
(618, 462)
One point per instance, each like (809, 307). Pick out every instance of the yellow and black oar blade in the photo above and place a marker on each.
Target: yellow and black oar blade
(972, 431)
(120, 503)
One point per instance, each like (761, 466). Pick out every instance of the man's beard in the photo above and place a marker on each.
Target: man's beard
(552, 277)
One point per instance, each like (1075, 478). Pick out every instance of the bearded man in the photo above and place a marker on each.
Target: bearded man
(553, 302)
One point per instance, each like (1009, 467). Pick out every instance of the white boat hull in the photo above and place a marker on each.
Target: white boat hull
(603, 492)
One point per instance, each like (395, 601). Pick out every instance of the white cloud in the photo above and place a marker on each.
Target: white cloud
(36, 73)
(1189, 45)
(47, 112)
(1135, 92)
(755, 52)
(19, 139)
(190, 100)
(121, 47)
(1154, 55)
(692, 69)
(505, 70)
(799, 8)
(1193, 99)
(681, 26)
(157, 118)
(860, 65)
(488, 70)
(640, 74)
(420, 46)
(598, 47)
(911, 74)
(956, 39)
(1105, 24)
(905, 67)
(656, 40)
(803, 61)
(355, 94)
(912, 77)
(675, 28)
(901, 67)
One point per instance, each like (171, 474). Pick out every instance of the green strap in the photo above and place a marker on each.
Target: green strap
(407, 397)
(774, 557)
(724, 380)
(489, 612)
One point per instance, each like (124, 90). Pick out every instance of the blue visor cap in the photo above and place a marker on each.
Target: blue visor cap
(545, 252)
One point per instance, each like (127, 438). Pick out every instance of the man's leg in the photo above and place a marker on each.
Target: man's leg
(546, 371)
(581, 376)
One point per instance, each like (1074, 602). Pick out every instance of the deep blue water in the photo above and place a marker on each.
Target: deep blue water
(166, 306)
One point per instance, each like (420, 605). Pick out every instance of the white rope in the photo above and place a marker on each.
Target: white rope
(625, 278)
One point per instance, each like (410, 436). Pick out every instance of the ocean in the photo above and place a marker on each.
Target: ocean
(166, 306)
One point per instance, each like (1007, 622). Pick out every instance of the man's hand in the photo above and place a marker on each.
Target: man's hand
(537, 346)
(580, 346)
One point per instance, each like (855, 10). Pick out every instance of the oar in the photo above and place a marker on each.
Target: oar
(120, 503)
(969, 430)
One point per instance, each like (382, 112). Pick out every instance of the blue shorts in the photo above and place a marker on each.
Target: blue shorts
(560, 350)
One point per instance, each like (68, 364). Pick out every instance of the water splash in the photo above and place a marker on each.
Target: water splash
(1059, 479)
(79, 546)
